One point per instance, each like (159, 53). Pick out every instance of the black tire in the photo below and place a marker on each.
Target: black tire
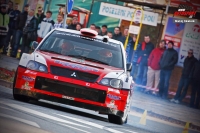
(17, 96)
(115, 119)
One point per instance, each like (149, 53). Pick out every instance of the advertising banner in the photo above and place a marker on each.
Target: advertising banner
(190, 40)
(125, 13)
(174, 32)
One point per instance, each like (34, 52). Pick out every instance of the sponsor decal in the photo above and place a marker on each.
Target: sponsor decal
(26, 86)
(113, 90)
(113, 97)
(76, 66)
(87, 84)
(26, 78)
(112, 105)
(67, 97)
(30, 72)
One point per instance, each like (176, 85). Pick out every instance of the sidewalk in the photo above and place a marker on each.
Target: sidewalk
(156, 107)
(165, 110)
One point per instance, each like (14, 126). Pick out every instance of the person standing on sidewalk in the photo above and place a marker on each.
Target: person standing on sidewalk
(46, 26)
(103, 31)
(4, 21)
(11, 32)
(40, 16)
(153, 74)
(134, 57)
(143, 54)
(72, 26)
(59, 23)
(30, 27)
(117, 34)
(184, 82)
(20, 23)
(167, 64)
(195, 78)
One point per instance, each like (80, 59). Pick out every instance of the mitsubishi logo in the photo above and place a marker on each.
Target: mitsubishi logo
(73, 74)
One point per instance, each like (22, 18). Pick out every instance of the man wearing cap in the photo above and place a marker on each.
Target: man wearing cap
(103, 30)
(167, 64)
(4, 21)
(19, 26)
(72, 26)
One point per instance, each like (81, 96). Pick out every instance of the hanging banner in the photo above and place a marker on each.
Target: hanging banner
(190, 40)
(125, 13)
(174, 32)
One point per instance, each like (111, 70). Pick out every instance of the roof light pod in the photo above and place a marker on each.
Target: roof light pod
(88, 32)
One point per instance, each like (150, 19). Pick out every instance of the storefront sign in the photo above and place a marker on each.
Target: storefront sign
(190, 40)
(125, 13)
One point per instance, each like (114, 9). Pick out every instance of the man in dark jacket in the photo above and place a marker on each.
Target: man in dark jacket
(167, 64)
(103, 30)
(40, 16)
(11, 32)
(19, 26)
(117, 34)
(184, 82)
(143, 53)
(30, 26)
(72, 26)
(195, 77)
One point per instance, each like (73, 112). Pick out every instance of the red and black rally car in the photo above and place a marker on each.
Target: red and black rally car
(77, 68)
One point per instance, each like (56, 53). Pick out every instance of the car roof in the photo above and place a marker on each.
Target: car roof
(97, 37)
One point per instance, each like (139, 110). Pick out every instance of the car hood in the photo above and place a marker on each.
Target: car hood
(78, 64)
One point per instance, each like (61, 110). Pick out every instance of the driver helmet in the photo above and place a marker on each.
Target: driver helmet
(105, 55)
(66, 48)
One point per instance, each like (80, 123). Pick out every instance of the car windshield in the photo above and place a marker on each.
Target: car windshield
(74, 45)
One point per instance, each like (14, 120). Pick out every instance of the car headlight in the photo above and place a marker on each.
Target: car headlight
(115, 83)
(33, 65)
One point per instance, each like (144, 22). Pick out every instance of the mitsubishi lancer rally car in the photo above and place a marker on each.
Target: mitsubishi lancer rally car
(77, 68)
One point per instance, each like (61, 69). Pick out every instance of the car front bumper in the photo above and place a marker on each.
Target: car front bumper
(68, 91)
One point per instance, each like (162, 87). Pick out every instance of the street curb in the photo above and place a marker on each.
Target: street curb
(165, 118)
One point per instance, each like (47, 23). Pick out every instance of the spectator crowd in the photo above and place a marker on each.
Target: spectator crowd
(151, 67)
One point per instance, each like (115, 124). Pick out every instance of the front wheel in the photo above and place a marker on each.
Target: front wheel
(17, 96)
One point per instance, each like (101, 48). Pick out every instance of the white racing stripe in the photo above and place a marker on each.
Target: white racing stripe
(130, 131)
(21, 120)
(74, 128)
(91, 124)
(41, 114)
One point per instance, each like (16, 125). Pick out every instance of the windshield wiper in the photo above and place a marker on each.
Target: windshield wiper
(89, 59)
(50, 51)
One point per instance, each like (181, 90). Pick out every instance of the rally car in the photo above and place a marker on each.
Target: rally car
(77, 68)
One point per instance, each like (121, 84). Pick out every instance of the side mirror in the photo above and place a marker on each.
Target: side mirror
(34, 45)
(129, 66)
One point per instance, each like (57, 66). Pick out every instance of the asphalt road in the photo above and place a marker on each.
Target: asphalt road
(16, 116)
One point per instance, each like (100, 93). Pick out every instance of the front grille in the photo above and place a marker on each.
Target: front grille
(64, 72)
(71, 90)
